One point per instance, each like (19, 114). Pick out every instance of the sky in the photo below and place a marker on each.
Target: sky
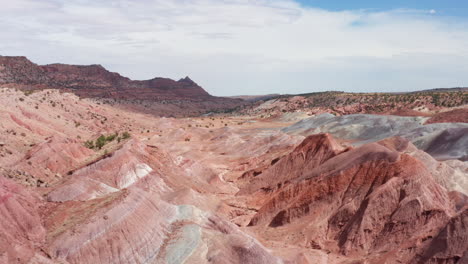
(445, 7)
(234, 47)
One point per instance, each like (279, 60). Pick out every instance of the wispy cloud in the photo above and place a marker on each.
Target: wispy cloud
(242, 46)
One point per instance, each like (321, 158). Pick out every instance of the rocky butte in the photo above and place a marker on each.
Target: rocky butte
(94, 81)
(89, 173)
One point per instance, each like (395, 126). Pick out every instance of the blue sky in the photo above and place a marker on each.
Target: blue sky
(443, 7)
(233, 47)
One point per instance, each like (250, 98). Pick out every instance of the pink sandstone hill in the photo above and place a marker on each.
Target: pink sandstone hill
(374, 204)
(452, 116)
(83, 181)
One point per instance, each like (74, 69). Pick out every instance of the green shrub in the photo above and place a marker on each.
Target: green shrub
(89, 144)
(28, 92)
(100, 142)
(111, 137)
(103, 140)
(125, 135)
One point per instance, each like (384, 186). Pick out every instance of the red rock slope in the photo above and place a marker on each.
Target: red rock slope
(459, 115)
(20, 226)
(374, 204)
(95, 81)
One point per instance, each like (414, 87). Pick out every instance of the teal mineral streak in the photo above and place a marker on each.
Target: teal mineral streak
(180, 249)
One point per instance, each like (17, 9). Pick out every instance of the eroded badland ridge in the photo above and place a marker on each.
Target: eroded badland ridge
(93, 178)
(157, 96)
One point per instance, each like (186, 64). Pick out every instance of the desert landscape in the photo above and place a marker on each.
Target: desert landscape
(97, 168)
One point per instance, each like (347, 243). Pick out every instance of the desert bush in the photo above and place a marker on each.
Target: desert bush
(100, 142)
(125, 135)
(111, 138)
(89, 144)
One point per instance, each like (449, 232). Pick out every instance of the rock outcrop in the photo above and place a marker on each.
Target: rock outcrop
(311, 153)
(444, 105)
(94, 81)
(373, 203)
(459, 115)
(444, 141)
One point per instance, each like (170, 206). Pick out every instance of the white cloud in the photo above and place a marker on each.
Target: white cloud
(432, 11)
(242, 46)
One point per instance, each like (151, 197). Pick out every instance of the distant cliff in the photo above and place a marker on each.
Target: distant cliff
(94, 81)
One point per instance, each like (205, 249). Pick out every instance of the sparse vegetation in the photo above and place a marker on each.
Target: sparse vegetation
(28, 92)
(102, 140)
(125, 135)
(111, 138)
(89, 144)
(365, 102)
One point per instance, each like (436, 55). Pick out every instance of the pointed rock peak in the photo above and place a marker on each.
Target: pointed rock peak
(319, 141)
(187, 80)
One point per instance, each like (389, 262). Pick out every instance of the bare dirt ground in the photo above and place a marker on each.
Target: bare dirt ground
(87, 182)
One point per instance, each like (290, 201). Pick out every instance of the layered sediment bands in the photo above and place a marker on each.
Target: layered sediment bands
(118, 211)
(356, 171)
(450, 145)
(370, 200)
(55, 156)
(444, 141)
(312, 152)
(93, 81)
(449, 174)
(453, 116)
(159, 96)
(20, 225)
(438, 105)
(234, 246)
(122, 169)
(451, 243)
(185, 190)
(137, 226)
(130, 229)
